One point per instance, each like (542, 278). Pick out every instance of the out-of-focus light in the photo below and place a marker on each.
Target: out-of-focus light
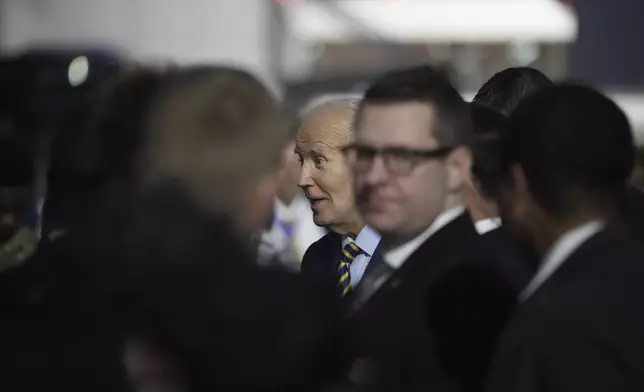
(285, 2)
(78, 71)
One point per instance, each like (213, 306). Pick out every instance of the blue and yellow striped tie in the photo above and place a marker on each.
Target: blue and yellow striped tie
(349, 253)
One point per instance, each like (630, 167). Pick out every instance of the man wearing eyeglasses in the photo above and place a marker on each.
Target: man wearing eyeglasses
(433, 284)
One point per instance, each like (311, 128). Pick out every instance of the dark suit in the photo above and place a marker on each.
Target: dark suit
(437, 315)
(160, 268)
(583, 329)
(633, 210)
(508, 258)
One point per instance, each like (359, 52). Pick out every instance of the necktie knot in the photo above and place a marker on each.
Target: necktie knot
(349, 253)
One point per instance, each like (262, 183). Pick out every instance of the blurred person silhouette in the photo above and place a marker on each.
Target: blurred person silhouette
(42, 284)
(161, 292)
(506, 89)
(434, 293)
(19, 225)
(18, 220)
(338, 260)
(489, 128)
(579, 327)
(292, 229)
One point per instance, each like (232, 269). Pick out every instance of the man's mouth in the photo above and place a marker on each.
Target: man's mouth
(315, 201)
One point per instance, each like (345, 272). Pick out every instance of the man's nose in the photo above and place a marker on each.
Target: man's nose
(305, 179)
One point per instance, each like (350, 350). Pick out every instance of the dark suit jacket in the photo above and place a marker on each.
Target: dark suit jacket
(583, 330)
(633, 210)
(508, 258)
(436, 318)
(160, 268)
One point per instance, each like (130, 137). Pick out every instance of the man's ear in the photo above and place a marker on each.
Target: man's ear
(459, 166)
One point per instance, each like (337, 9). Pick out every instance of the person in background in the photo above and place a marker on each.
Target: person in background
(18, 230)
(160, 292)
(434, 298)
(506, 89)
(338, 260)
(292, 228)
(489, 128)
(580, 322)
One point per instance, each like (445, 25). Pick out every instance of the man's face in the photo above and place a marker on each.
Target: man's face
(326, 177)
(13, 202)
(403, 204)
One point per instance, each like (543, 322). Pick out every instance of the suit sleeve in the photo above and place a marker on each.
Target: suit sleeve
(563, 360)
(467, 311)
(308, 260)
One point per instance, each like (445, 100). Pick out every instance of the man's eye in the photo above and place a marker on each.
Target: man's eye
(319, 161)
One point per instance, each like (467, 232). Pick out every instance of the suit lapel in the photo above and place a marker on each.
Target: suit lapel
(427, 261)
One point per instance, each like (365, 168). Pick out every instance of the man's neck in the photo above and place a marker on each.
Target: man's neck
(555, 229)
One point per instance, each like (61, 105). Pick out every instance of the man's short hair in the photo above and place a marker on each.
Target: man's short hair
(489, 127)
(506, 89)
(217, 130)
(424, 84)
(573, 144)
(121, 117)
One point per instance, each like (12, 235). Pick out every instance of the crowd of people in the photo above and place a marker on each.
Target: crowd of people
(405, 240)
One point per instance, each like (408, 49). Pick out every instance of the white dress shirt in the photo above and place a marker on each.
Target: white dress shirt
(290, 247)
(396, 257)
(561, 250)
(485, 225)
(367, 240)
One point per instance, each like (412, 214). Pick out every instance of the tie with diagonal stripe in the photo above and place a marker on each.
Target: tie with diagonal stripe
(349, 253)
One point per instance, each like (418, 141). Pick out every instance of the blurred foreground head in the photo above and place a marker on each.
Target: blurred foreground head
(567, 157)
(218, 133)
(506, 89)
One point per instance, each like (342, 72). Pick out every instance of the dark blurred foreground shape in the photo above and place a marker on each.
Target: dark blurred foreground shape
(158, 267)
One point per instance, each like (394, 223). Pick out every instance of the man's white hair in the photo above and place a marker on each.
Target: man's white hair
(325, 103)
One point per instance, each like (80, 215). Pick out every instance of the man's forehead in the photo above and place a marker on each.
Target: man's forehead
(401, 124)
(332, 127)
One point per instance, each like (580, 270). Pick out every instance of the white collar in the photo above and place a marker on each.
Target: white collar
(287, 212)
(559, 252)
(396, 257)
(484, 225)
(367, 240)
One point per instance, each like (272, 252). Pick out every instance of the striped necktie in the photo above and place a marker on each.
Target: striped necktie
(349, 253)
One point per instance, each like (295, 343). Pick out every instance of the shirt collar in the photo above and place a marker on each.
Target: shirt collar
(559, 252)
(286, 212)
(396, 257)
(484, 225)
(367, 240)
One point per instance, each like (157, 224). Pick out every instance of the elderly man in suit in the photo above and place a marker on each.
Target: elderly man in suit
(338, 260)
